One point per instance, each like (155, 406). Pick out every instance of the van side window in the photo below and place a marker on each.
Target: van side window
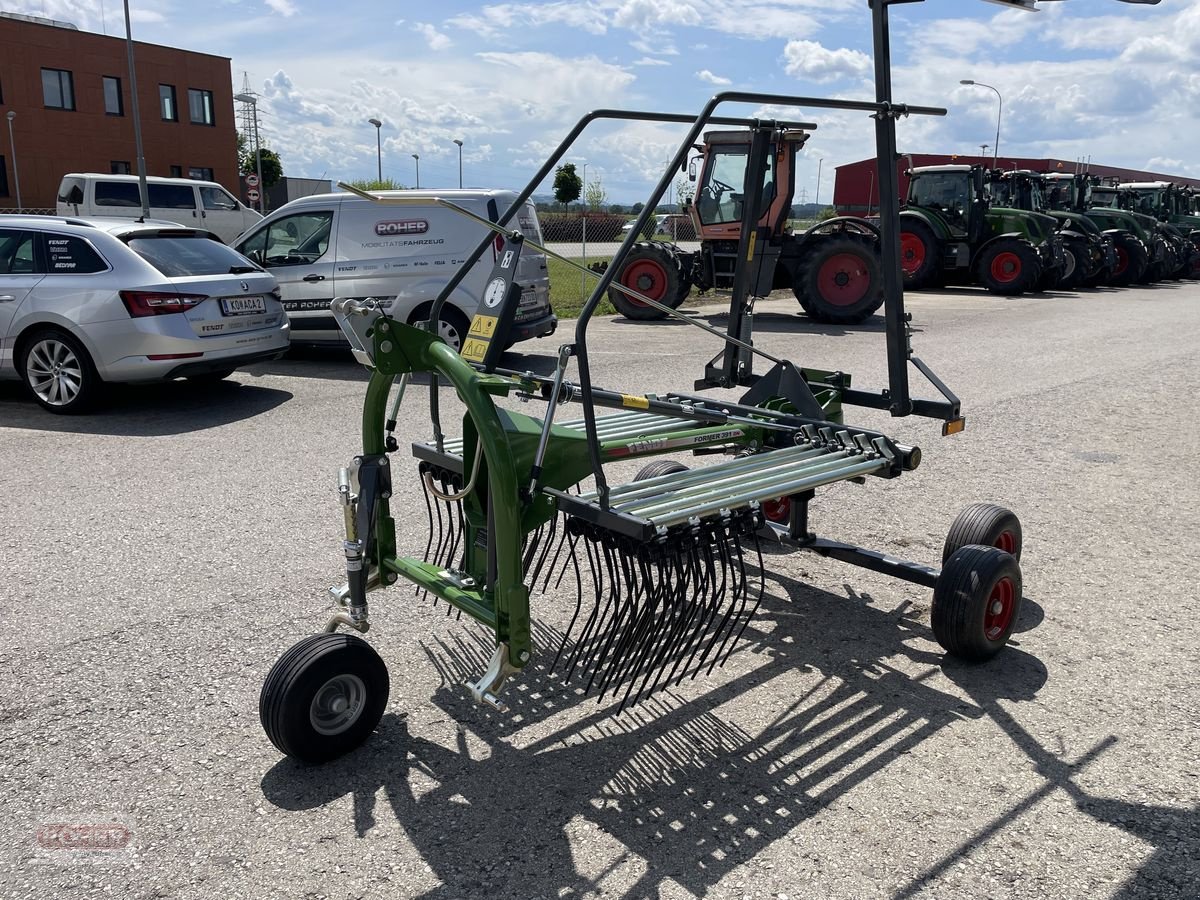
(68, 255)
(16, 253)
(118, 193)
(172, 196)
(298, 240)
(217, 198)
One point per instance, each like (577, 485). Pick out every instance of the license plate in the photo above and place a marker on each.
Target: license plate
(243, 306)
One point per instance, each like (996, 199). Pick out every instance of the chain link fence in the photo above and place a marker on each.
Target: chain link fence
(28, 211)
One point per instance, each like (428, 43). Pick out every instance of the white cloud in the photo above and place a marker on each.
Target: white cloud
(285, 8)
(650, 61)
(705, 75)
(811, 61)
(433, 37)
(643, 15)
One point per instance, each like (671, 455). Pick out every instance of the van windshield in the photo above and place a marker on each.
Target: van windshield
(189, 254)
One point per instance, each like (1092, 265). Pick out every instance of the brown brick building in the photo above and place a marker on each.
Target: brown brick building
(70, 92)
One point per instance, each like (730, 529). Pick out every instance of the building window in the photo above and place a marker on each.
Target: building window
(176, 171)
(166, 102)
(200, 174)
(113, 104)
(58, 89)
(200, 107)
(3, 178)
(120, 167)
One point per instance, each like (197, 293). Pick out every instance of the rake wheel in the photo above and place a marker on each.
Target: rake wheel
(986, 524)
(976, 602)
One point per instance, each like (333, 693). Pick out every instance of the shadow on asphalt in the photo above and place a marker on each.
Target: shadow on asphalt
(175, 407)
(681, 785)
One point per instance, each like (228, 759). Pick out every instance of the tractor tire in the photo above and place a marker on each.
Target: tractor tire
(653, 269)
(1131, 260)
(919, 255)
(1075, 262)
(976, 602)
(1049, 280)
(839, 280)
(1009, 266)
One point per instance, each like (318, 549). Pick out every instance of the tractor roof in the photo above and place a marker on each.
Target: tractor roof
(743, 136)
(1145, 185)
(922, 170)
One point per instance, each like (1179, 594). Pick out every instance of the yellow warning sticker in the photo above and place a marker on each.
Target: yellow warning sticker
(474, 350)
(633, 401)
(750, 246)
(484, 326)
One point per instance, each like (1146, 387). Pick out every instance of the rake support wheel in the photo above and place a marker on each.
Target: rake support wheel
(986, 524)
(323, 697)
(652, 268)
(976, 602)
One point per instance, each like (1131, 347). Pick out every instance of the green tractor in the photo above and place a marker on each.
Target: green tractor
(1110, 204)
(1132, 243)
(1089, 254)
(1173, 205)
(950, 232)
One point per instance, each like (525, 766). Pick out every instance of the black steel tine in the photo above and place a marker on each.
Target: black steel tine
(638, 643)
(656, 625)
(429, 515)
(723, 654)
(554, 562)
(578, 599)
(530, 549)
(597, 580)
(677, 608)
(687, 633)
(609, 613)
(762, 584)
(714, 595)
(546, 545)
(726, 577)
(626, 616)
(639, 603)
(441, 541)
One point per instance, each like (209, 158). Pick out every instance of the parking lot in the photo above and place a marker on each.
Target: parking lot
(164, 551)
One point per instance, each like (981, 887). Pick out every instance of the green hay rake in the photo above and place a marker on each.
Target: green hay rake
(667, 568)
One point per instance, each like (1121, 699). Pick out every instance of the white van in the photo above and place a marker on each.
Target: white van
(341, 245)
(193, 204)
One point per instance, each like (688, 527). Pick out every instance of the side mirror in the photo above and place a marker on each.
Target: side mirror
(692, 168)
(75, 195)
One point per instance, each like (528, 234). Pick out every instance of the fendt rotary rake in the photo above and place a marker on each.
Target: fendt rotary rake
(667, 568)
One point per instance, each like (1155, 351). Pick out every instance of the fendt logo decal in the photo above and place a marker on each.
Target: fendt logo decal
(408, 226)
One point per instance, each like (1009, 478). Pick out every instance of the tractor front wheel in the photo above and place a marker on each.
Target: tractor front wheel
(976, 602)
(652, 269)
(918, 254)
(323, 697)
(1132, 260)
(1009, 266)
(840, 279)
(1075, 263)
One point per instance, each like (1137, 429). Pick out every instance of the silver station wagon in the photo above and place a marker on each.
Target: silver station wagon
(89, 301)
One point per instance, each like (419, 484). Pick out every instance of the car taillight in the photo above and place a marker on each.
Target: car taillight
(157, 303)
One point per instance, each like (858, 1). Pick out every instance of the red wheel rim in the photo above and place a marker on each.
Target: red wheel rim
(1007, 542)
(912, 253)
(1006, 267)
(777, 510)
(1122, 261)
(646, 277)
(843, 280)
(1000, 606)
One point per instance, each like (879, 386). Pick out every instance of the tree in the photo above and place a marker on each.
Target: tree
(595, 195)
(272, 168)
(636, 208)
(685, 190)
(567, 184)
(374, 184)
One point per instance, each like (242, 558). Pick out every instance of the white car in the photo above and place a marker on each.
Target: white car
(88, 301)
(657, 225)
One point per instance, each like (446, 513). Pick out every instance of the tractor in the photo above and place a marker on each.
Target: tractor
(1172, 204)
(949, 231)
(1132, 243)
(746, 183)
(1164, 244)
(1089, 256)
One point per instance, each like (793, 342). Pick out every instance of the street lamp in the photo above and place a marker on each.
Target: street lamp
(999, 110)
(417, 157)
(457, 141)
(378, 149)
(817, 199)
(13, 144)
(262, 188)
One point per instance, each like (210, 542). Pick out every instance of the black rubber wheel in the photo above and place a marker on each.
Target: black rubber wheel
(1050, 279)
(839, 279)
(659, 467)
(1009, 266)
(210, 377)
(323, 697)
(1132, 260)
(652, 269)
(453, 323)
(58, 372)
(986, 524)
(1075, 262)
(919, 254)
(976, 602)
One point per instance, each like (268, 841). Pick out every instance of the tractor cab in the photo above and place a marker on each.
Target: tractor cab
(722, 190)
(954, 194)
(1066, 193)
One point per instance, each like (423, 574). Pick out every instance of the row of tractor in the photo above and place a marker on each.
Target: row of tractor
(1009, 231)
(1020, 231)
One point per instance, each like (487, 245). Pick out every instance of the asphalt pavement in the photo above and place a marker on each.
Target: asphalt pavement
(160, 554)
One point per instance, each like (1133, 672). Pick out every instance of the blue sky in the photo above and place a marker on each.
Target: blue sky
(1119, 82)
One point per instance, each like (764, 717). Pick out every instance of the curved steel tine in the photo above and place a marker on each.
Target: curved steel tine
(607, 614)
(651, 571)
(597, 589)
(626, 611)
(578, 600)
(726, 578)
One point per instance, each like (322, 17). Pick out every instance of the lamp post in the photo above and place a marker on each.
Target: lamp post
(143, 191)
(378, 150)
(817, 198)
(460, 143)
(417, 158)
(13, 145)
(983, 153)
(262, 188)
(999, 111)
